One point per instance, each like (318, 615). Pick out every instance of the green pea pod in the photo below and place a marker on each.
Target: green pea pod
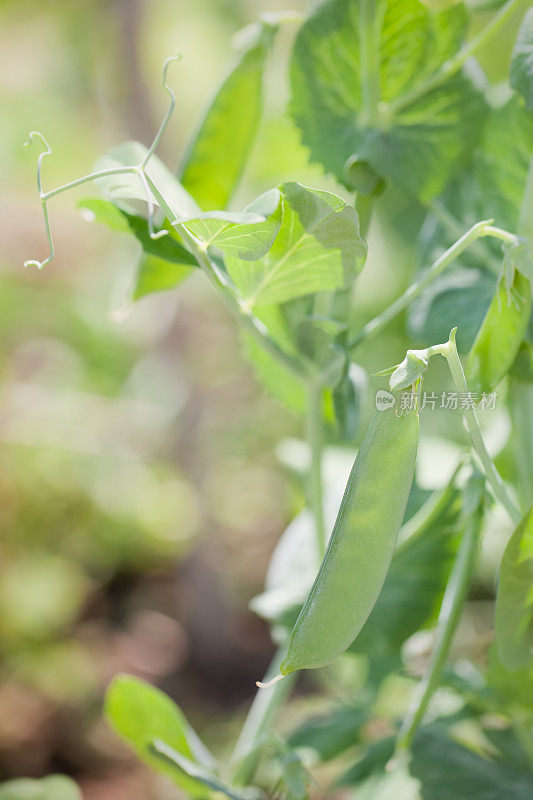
(500, 335)
(361, 545)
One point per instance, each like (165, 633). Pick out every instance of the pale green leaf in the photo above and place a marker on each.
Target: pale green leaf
(127, 190)
(218, 152)
(514, 602)
(521, 75)
(354, 81)
(501, 333)
(318, 249)
(141, 714)
(503, 166)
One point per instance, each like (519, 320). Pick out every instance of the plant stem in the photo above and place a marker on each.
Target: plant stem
(379, 322)
(455, 227)
(450, 614)
(103, 173)
(315, 438)
(454, 64)
(245, 756)
(472, 424)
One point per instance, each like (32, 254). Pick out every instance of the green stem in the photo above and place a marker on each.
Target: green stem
(315, 437)
(245, 756)
(455, 227)
(454, 64)
(450, 614)
(472, 424)
(381, 320)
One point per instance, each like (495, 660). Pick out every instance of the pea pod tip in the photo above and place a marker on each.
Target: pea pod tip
(266, 684)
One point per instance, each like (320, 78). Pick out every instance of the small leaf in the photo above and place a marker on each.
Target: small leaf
(501, 333)
(167, 248)
(54, 787)
(217, 155)
(141, 714)
(127, 190)
(317, 249)
(246, 235)
(410, 370)
(514, 602)
(521, 75)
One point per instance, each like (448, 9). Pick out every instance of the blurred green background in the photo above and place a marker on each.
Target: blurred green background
(141, 494)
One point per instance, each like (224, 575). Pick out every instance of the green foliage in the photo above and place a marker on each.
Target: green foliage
(246, 236)
(500, 335)
(217, 154)
(330, 734)
(127, 190)
(149, 721)
(460, 298)
(521, 77)
(361, 77)
(514, 605)
(318, 249)
(390, 103)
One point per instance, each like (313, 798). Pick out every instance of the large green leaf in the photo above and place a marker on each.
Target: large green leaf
(443, 769)
(218, 152)
(514, 602)
(502, 179)
(331, 733)
(500, 335)
(141, 714)
(448, 771)
(54, 787)
(127, 191)
(521, 76)
(318, 249)
(460, 298)
(355, 68)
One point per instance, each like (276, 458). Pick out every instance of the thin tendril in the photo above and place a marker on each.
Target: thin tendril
(150, 203)
(167, 88)
(140, 170)
(43, 154)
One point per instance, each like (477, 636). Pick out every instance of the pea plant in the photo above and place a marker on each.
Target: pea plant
(391, 100)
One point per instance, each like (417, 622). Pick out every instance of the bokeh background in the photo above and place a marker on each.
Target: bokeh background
(141, 485)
